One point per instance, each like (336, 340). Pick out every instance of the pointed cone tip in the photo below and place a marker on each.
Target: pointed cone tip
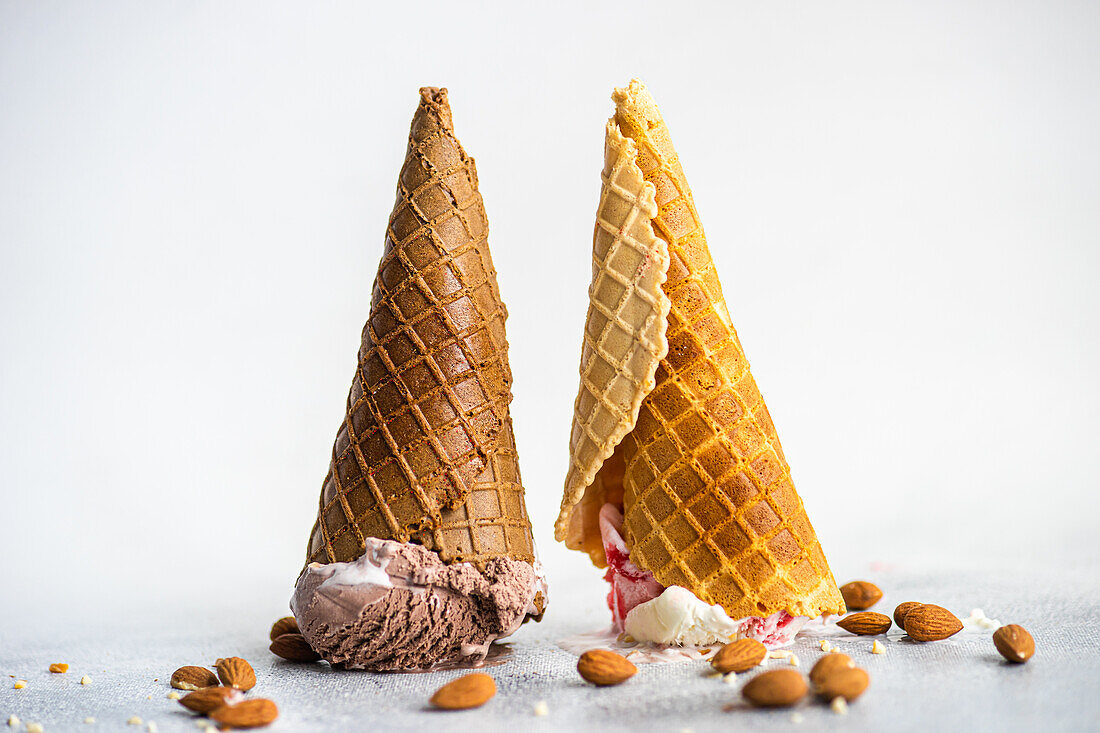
(635, 105)
(434, 95)
(434, 99)
(634, 88)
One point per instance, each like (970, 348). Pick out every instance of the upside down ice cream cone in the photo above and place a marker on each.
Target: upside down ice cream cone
(677, 479)
(422, 552)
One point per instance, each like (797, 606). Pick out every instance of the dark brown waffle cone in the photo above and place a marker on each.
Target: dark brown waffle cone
(708, 499)
(425, 452)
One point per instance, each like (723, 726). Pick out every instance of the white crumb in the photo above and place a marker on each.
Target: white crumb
(89, 720)
(825, 646)
(839, 705)
(794, 660)
(34, 728)
(173, 695)
(13, 722)
(134, 720)
(978, 619)
(780, 654)
(796, 717)
(85, 680)
(151, 727)
(878, 647)
(541, 709)
(730, 679)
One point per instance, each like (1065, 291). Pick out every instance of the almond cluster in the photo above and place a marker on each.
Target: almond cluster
(923, 622)
(834, 677)
(220, 696)
(287, 642)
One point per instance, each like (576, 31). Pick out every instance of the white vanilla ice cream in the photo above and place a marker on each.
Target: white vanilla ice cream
(677, 616)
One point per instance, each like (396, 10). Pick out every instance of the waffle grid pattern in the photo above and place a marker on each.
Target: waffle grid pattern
(624, 331)
(492, 521)
(747, 545)
(432, 385)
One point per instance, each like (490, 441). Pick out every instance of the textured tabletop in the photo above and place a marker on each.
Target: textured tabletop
(901, 202)
(957, 684)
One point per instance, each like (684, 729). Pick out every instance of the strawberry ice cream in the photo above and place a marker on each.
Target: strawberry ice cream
(630, 585)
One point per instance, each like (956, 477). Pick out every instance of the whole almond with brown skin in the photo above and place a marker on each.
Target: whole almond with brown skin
(193, 678)
(604, 668)
(248, 714)
(471, 691)
(739, 656)
(847, 682)
(210, 699)
(828, 664)
(1014, 643)
(236, 672)
(860, 595)
(293, 648)
(931, 623)
(285, 625)
(901, 611)
(775, 688)
(865, 623)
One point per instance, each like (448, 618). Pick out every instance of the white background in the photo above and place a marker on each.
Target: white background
(902, 199)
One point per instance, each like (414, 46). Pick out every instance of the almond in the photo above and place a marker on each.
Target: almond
(828, 664)
(1014, 643)
(210, 699)
(931, 623)
(248, 714)
(605, 668)
(236, 672)
(193, 678)
(471, 691)
(846, 682)
(739, 656)
(293, 648)
(775, 688)
(865, 623)
(285, 625)
(901, 611)
(860, 595)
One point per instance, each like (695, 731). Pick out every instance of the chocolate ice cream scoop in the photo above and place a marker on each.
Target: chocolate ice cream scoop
(400, 607)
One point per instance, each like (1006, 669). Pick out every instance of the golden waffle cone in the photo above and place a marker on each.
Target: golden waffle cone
(708, 500)
(624, 338)
(426, 452)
